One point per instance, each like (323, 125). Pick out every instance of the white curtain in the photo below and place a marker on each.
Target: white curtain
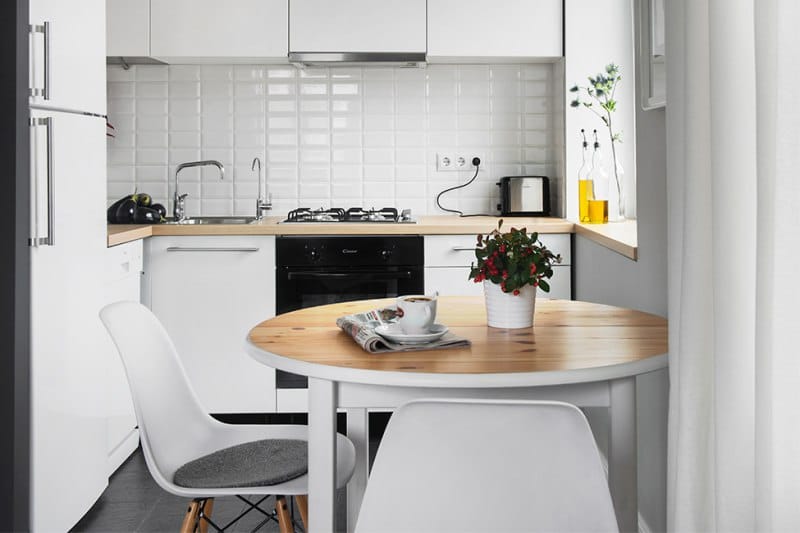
(733, 171)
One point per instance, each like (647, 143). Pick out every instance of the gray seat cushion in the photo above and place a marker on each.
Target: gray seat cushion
(252, 464)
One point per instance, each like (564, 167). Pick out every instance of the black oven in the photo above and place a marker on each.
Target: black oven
(313, 270)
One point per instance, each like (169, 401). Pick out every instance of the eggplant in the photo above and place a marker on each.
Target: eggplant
(142, 199)
(161, 209)
(124, 214)
(145, 215)
(111, 213)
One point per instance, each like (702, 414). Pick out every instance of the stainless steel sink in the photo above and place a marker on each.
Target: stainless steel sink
(212, 220)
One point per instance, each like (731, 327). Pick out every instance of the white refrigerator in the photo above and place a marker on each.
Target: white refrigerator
(67, 243)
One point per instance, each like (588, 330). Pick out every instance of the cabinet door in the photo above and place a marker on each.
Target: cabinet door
(448, 259)
(357, 26)
(69, 59)
(208, 293)
(128, 28)
(453, 281)
(204, 30)
(464, 29)
(123, 280)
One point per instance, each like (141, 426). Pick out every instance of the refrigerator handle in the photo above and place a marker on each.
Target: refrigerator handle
(44, 92)
(33, 239)
(50, 240)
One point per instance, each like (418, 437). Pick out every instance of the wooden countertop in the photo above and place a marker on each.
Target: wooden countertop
(426, 225)
(620, 237)
(585, 339)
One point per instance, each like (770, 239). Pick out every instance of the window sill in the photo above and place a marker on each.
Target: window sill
(620, 237)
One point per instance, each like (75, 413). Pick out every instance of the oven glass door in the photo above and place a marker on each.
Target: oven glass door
(303, 287)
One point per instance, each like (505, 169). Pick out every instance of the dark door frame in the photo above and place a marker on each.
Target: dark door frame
(14, 269)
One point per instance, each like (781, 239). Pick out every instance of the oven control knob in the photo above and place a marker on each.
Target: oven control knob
(313, 255)
(386, 254)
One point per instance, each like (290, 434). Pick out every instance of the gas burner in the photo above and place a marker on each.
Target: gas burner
(305, 214)
(358, 214)
(386, 215)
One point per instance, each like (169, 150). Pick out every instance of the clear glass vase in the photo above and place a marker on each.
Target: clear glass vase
(616, 195)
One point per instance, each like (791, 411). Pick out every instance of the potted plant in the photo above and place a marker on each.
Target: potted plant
(512, 266)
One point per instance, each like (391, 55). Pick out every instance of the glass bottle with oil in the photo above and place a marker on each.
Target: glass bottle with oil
(585, 189)
(598, 204)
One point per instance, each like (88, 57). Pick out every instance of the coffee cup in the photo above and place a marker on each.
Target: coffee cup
(416, 313)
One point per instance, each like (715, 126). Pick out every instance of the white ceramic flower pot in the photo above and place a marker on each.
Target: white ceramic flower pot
(504, 310)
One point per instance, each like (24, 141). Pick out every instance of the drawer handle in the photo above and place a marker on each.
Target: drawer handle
(463, 248)
(210, 249)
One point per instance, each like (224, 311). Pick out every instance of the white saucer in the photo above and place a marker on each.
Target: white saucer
(393, 333)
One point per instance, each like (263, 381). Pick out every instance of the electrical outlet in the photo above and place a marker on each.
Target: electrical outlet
(447, 161)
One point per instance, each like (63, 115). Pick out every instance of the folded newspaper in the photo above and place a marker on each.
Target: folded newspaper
(361, 326)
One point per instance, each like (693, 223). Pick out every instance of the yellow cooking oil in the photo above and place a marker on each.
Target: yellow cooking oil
(585, 193)
(598, 211)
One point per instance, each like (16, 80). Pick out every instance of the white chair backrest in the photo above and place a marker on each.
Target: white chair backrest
(172, 424)
(476, 466)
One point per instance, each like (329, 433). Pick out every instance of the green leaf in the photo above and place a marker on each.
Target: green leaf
(544, 285)
(574, 89)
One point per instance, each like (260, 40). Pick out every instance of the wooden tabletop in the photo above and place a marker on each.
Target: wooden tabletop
(582, 339)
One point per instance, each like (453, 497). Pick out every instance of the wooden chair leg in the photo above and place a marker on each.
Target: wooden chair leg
(208, 506)
(190, 518)
(284, 516)
(302, 506)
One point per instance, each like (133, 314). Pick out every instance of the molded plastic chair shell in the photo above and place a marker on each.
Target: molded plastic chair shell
(173, 427)
(477, 466)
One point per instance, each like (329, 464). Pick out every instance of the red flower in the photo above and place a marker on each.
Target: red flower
(503, 248)
(533, 268)
(516, 292)
(503, 286)
(505, 274)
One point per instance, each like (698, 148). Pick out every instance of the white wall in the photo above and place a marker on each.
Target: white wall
(344, 136)
(596, 34)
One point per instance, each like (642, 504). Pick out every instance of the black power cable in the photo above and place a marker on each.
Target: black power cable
(476, 162)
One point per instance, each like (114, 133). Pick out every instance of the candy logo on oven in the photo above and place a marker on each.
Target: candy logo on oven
(349, 251)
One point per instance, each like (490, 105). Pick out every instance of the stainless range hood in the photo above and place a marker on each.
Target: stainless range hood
(361, 59)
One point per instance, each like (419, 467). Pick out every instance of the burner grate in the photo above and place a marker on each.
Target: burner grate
(353, 214)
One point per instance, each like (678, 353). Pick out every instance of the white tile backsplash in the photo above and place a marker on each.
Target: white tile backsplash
(341, 136)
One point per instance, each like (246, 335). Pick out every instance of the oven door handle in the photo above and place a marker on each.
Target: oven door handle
(367, 276)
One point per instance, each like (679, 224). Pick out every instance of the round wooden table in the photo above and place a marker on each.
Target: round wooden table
(579, 352)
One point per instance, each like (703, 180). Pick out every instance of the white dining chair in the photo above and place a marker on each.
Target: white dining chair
(480, 466)
(191, 454)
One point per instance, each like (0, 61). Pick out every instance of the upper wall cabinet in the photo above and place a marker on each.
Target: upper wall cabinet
(128, 28)
(484, 30)
(390, 26)
(207, 31)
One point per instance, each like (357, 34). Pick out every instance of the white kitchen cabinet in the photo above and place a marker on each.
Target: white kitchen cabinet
(67, 54)
(390, 26)
(448, 259)
(123, 280)
(208, 292)
(128, 28)
(483, 29)
(236, 31)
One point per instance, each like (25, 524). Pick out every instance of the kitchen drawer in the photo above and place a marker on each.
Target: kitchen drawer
(453, 281)
(458, 250)
(122, 260)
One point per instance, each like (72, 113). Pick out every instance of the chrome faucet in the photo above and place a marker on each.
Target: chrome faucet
(179, 205)
(261, 205)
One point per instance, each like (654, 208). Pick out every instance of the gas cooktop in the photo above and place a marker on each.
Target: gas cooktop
(386, 215)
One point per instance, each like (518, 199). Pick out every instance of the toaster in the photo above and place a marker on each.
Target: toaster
(524, 196)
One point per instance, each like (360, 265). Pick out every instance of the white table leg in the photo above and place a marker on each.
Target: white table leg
(358, 432)
(622, 453)
(321, 454)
